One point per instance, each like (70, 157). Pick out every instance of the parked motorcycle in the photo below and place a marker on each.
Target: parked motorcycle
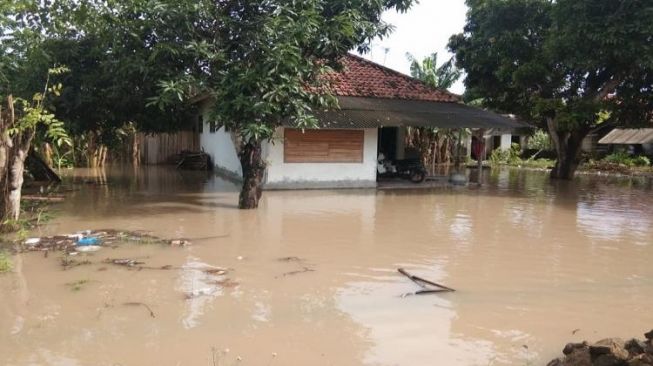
(411, 169)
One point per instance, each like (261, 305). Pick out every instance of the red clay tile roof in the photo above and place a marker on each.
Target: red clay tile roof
(363, 78)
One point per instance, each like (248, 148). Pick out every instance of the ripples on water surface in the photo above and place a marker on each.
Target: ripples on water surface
(533, 262)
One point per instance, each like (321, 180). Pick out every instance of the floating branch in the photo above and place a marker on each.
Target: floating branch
(292, 273)
(425, 284)
(141, 304)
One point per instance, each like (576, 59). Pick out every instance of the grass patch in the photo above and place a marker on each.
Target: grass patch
(604, 166)
(536, 163)
(5, 262)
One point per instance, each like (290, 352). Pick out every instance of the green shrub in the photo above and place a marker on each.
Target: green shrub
(539, 141)
(499, 156)
(5, 262)
(623, 158)
(641, 161)
(510, 156)
(618, 157)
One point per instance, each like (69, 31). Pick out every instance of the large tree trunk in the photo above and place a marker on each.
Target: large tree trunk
(568, 147)
(251, 161)
(13, 151)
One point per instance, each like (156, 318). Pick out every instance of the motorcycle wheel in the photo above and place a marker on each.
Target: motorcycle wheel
(417, 176)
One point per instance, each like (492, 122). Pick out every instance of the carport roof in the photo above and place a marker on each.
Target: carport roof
(365, 112)
(628, 136)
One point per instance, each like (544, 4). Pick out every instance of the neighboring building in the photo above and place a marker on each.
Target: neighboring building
(641, 139)
(376, 104)
(499, 138)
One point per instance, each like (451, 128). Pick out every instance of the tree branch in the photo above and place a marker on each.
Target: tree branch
(608, 88)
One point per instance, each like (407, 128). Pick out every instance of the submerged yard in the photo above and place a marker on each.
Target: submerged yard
(310, 278)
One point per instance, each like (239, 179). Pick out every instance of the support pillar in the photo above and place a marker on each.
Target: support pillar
(400, 153)
(506, 140)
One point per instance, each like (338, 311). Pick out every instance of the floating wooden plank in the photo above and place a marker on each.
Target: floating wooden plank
(42, 198)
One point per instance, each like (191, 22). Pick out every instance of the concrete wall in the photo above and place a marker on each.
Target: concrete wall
(220, 146)
(506, 140)
(321, 175)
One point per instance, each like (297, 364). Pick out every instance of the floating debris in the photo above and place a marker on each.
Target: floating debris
(206, 291)
(32, 241)
(96, 238)
(49, 198)
(299, 262)
(88, 241)
(292, 273)
(67, 262)
(215, 271)
(88, 248)
(290, 259)
(141, 304)
(428, 287)
(123, 262)
(77, 285)
(227, 283)
(179, 243)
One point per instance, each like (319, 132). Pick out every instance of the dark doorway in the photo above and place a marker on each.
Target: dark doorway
(388, 142)
(496, 142)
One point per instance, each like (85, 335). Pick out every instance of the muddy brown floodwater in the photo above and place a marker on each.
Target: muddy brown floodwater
(312, 274)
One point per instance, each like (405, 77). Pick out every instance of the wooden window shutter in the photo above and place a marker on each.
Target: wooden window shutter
(323, 146)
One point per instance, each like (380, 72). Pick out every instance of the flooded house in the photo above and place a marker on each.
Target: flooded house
(376, 105)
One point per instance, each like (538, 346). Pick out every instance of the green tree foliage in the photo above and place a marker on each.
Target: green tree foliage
(442, 77)
(117, 53)
(565, 64)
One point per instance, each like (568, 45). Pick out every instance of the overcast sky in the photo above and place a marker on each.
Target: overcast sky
(424, 29)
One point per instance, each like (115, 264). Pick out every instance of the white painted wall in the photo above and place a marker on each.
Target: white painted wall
(321, 175)
(220, 146)
(468, 146)
(506, 140)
